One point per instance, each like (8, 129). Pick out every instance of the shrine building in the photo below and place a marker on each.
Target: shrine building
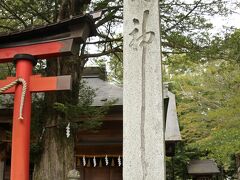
(203, 170)
(98, 153)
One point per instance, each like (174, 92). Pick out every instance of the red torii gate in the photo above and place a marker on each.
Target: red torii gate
(24, 47)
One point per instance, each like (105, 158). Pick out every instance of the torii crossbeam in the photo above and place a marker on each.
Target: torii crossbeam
(24, 48)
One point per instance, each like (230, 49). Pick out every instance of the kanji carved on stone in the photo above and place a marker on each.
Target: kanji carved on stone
(146, 37)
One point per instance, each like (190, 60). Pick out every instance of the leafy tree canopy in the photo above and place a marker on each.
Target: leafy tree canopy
(208, 102)
(204, 69)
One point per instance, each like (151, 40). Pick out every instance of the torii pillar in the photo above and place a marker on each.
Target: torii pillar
(21, 127)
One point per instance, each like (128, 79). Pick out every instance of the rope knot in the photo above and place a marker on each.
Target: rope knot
(24, 89)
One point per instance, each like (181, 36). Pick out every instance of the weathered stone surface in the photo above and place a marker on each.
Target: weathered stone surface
(143, 131)
(73, 175)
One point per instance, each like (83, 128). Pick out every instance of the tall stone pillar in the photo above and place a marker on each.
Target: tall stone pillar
(143, 124)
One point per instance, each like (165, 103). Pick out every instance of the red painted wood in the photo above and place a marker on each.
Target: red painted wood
(21, 128)
(37, 84)
(44, 50)
(43, 84)
(6, 82)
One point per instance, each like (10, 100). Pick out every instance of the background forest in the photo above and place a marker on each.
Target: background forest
(201, 67)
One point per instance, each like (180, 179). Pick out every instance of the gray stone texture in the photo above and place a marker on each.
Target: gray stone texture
(143, 129)
(73, 175)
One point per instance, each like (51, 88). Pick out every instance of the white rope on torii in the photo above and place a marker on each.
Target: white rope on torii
(24, 88)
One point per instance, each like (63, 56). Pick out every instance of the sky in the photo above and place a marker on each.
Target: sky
(218, 21)
(231, 20)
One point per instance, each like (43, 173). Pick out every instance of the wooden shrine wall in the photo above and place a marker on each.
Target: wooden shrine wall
(102, 173)
(106, 141)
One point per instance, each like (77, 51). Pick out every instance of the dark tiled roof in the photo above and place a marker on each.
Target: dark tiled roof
(202, 167)
(106, 91)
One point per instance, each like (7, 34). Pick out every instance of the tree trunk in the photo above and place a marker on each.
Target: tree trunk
(237, 156)
(57, 157)
(58, 151)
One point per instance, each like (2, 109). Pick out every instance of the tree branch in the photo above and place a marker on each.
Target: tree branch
(107, 52)
(107, 18)
(106, 41)
(183, 18)
(35, 12)
(7, 8)
(6, 27)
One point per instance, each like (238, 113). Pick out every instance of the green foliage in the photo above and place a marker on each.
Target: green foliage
(59, 107)
(82, 116)
(232, 46)
(204, 72)
(86, 94)
(116, 68)
(177, 165)
(224, 139)
(21, 14)
(208, 99)
(6, 69)
(35, 151)
(71, 113)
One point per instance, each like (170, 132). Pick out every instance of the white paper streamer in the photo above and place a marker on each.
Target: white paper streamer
(84, 161)
(119, 161)
(94, 162)
(68, 130)
(106, 160)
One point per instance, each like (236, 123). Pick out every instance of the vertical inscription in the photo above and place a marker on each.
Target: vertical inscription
(142, 40)
(143, 44)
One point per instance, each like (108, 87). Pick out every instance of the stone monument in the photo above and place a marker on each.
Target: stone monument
(73, 175)
(143, 125)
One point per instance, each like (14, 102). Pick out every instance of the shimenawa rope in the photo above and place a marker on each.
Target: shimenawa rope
(24, 88)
